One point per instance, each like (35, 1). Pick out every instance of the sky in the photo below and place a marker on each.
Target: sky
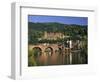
(58, 19)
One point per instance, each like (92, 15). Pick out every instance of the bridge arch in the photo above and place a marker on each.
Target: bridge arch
(37, 51)
(49, 51)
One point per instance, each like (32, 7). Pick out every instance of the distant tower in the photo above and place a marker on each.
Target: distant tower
(70, 43)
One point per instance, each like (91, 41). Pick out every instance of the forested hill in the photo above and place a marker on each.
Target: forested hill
(55, 27)
(37, 30)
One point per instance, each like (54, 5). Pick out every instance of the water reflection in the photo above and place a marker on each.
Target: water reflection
(50, 58)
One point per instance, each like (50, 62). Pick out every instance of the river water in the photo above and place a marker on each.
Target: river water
(73, 57)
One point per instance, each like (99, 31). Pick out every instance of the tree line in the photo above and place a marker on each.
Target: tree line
(36, 30)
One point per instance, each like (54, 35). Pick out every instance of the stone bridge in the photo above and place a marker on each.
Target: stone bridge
(44, 46)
